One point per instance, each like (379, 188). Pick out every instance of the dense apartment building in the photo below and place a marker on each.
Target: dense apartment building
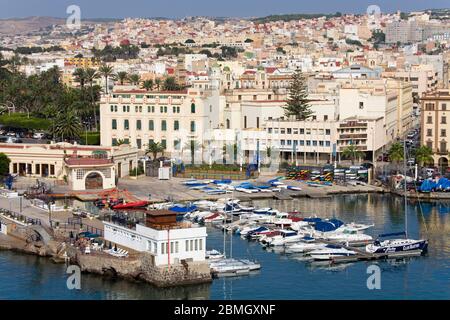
(435, 124)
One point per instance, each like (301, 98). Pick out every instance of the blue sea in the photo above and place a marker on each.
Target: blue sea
(282, 276)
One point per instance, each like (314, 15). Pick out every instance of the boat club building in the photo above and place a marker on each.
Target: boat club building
(168, 241)
(82, 167)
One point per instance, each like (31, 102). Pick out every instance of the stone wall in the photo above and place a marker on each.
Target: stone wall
(141, 267)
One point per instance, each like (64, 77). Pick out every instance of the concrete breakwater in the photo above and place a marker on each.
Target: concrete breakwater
(141, 267)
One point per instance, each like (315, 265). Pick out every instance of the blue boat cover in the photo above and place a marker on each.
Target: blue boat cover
(315, 220)
(336, 222)
(183, 209)
(326, 226)
(427, 186)
(224, 181)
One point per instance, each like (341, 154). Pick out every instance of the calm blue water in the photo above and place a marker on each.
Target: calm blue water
(281, 276)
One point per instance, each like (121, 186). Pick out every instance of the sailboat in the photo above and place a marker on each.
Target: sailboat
(398, 244)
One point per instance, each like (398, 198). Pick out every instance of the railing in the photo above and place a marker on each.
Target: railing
(20, 217)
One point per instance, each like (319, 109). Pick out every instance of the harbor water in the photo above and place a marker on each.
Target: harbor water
(282, 276)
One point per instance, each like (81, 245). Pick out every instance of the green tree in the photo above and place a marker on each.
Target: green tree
(170, 84)
(79, 76)
(106, 72)
(158, 83)
(297, 103)
(147, 85)
(67, 126)
(154, 148)
(134, 79)
(424, 155)
(121, 76)
(4, 164)
(352, 152)
(396, 154)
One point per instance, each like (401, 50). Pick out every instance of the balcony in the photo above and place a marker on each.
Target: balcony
(352, 136)
(353, 125)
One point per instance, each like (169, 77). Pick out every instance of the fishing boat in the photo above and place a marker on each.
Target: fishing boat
(330, 252)
(131, 205)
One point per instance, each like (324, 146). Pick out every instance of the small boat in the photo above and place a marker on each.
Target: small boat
(214, 255)
(330, 252)
(294, 188)
(131, 205)
(347, 236)
(262, 210)
(306, 244)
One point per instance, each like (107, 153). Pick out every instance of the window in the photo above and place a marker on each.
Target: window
(361, 105)
(112, 108)
(443, 120)
(327, 132)
(255, 97)
(257, 122)
(126, 124)
(151, 125)
(176, 125)
(200, 244)
(302, 142)
(302, 131)
(192, 126)
(114, 124)
(171, 247)
(327, 143)
(430, 144)
(228, 124)
(196, 245)
(164, 143)
(176, 144)
(245, 122)
(139, 143)
(429, 120)
(138, 125)
(193, 108)
(114, 142)
(176, 246)
(191, 245)
(325, 118)
(443, 147)
(429, 106)
(187, 245)
(163, 125)
(444, 107)
(443, 133)
(429, 132)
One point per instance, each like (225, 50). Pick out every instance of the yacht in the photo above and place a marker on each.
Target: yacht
(330, 252)
(396, 245)
(214, 255)
(347, 236)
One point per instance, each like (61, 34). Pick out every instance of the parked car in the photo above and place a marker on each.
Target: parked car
(38, 135)
(11, 134)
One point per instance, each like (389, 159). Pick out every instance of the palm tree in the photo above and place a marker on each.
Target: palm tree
(107, 72)
(352, 152)
(158, 83)
(147, 85)
(154, 148)
(91, 75)
(67, 125)
(79, 76)
(192, 146)
(134, 79)
(121, 76)
(424, 155)
(396, 153)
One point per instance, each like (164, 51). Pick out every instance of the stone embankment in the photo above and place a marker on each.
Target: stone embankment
(140, 266)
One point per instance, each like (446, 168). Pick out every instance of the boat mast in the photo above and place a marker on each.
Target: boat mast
(406, 197)
(231, 234)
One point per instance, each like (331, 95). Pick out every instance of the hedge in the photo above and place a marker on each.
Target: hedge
(93, 138)
(20, 120)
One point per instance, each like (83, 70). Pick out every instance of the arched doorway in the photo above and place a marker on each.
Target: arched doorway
(93, 180)
(443, 164)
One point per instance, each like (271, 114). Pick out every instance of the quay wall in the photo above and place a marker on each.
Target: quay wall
(141, 267)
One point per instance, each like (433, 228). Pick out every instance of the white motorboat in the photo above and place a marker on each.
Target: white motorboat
(306, 244)
(245, 190)
(330, 252)
(347, 236)
(354, 227)
(233, 265)
(396, 245)
(214, 255)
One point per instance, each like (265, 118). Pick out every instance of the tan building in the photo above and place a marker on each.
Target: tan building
(83, 167)
(435, 124)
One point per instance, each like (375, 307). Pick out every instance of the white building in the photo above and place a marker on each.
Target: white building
(168, 241)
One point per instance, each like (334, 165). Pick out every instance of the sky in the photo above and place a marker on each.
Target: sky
(222, 8)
